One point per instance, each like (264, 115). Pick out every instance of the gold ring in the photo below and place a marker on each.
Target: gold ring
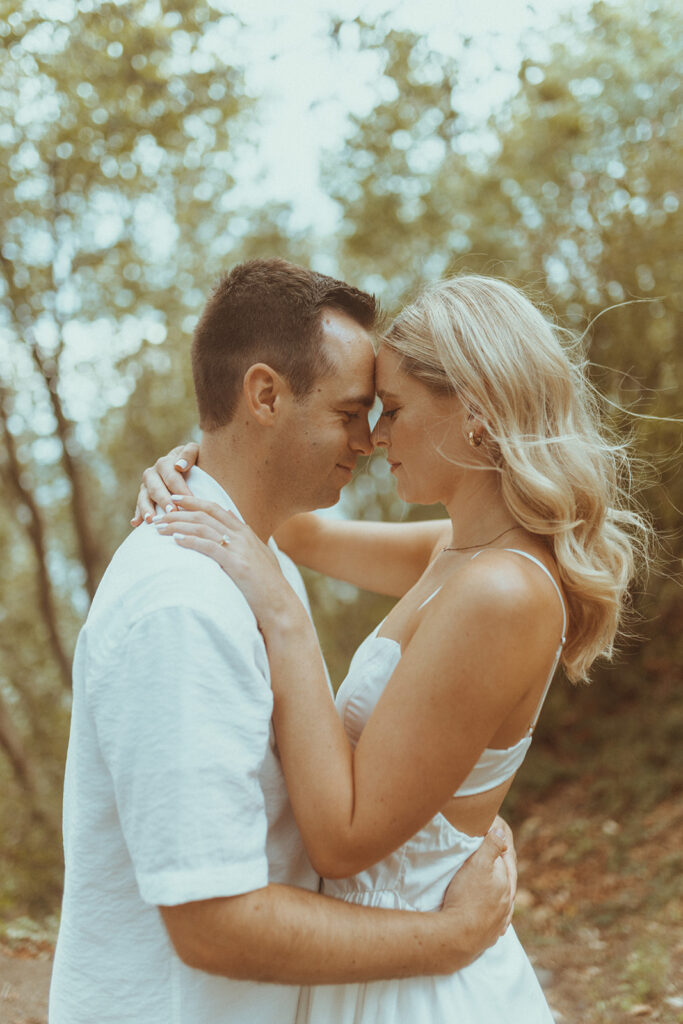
(225, 540)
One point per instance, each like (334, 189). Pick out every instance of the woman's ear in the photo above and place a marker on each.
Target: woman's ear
(263, 388)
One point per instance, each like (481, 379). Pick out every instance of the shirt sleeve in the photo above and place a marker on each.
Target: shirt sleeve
(183, 724)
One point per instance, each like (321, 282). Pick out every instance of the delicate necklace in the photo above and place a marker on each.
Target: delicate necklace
(469, 547)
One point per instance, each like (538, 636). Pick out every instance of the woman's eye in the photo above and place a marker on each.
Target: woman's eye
(388, 414)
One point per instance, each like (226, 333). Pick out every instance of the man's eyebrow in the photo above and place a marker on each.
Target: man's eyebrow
(366, 400)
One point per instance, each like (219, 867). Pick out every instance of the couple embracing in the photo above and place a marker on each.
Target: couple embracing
(211, 776)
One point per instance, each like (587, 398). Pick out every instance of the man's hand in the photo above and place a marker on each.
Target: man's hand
(504, 832)
(162, 480)
(481, 895)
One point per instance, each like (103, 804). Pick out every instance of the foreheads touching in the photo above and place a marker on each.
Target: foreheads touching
(273, 312)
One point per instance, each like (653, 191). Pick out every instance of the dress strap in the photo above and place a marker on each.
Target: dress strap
(428, 599)
(536, 561)
(558, 653)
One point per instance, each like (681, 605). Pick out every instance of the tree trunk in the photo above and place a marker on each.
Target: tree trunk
(87, 547)
(11, 743)
(36, 534)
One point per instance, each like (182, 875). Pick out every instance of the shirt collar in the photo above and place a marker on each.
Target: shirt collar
(205, 486)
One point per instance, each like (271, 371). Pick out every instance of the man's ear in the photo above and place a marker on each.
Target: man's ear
(263, 389)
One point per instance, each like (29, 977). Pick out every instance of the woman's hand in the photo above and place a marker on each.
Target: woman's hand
(206, 527)
(162, 480)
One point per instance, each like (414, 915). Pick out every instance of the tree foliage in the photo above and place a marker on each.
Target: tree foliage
(121, 125)
(122, 128)
(570, 190)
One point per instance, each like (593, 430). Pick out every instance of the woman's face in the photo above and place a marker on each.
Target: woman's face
(424, 434)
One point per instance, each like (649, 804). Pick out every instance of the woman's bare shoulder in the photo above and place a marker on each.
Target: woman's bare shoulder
(511, 591)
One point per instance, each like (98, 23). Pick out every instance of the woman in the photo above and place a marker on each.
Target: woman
(484, 412)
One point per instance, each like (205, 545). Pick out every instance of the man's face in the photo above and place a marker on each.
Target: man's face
(324, 433)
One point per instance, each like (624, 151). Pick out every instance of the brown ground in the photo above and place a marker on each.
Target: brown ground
(599, 911)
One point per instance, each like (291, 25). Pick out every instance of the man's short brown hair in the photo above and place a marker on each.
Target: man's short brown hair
(266, 311)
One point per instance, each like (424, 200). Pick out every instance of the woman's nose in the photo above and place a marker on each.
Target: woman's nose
(378, 436)
(362, 440)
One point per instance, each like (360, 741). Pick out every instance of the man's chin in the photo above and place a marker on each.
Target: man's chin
(327, 500)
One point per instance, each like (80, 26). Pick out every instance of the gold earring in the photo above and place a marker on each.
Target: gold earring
(474, 439)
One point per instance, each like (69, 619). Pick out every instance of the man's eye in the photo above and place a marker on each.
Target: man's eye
(348, 416)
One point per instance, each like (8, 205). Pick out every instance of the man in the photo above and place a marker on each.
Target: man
(186, 879)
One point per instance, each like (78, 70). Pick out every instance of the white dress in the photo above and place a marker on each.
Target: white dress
(500, 987)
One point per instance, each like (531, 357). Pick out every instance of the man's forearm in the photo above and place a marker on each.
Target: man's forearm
(287, 935)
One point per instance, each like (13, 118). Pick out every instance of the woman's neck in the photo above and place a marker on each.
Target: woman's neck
(478, 512)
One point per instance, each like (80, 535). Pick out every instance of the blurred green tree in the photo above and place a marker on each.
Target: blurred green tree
(121, 125)
(571, 190)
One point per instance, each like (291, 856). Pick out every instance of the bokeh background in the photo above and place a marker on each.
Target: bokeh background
(147, 146)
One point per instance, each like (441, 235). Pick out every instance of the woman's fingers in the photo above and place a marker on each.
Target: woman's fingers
(162, 479)
(190, 529)
(144, 508)
(191, 501)
(201, 544)
(186, 456)
(198, 510)
(168, 476)
(193, 521)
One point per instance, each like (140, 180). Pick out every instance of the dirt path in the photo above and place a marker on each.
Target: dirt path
(599, 911)
(24, 983)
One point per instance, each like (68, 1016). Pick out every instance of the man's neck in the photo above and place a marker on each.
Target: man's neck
(240, 471)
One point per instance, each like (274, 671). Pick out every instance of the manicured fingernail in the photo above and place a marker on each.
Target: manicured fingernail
(177, 497)
(169, 508)
(148, 517)
(501, 835)
(160, 526)
(178, 536)
(181, 463)
(159, 515)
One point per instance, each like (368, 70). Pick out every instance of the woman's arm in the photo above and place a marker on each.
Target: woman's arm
(439, 711)
(446, 700)
(386, 558)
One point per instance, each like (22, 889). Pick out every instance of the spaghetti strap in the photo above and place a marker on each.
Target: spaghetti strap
(536, 561)
(429, 599)
(558, 653)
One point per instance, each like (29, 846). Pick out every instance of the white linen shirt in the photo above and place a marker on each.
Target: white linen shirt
(173, 789)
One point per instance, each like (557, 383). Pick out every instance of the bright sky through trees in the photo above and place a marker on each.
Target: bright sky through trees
(309, 81)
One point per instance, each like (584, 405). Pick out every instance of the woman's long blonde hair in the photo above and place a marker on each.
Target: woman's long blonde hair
(562, 476)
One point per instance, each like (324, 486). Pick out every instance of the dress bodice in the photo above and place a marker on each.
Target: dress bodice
(371, 669)
(499, 987)
(416, 875)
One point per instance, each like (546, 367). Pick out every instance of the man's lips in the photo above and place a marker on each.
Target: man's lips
(393, 465)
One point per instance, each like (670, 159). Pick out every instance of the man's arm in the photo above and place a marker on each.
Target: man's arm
(195, 824)
(287, 935)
